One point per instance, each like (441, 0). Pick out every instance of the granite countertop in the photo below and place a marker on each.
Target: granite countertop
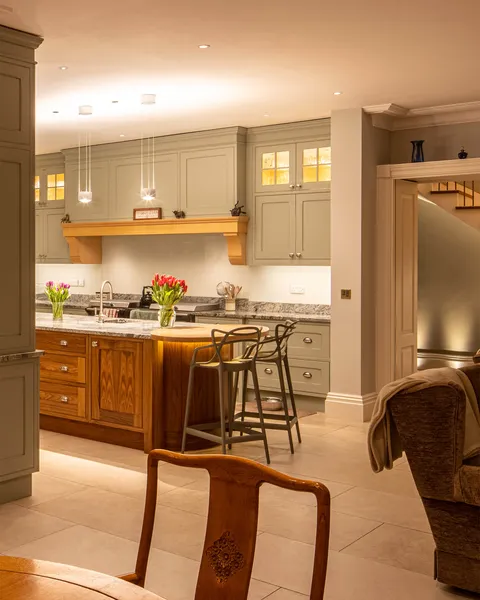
(138, 329)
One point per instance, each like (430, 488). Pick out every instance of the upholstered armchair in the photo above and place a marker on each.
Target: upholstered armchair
(431, 425)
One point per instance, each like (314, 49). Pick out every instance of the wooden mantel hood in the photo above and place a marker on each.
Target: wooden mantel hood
(85, 239)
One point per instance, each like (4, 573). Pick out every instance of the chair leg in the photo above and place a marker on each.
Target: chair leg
(187, 406)
(221, 382)
(260, 411)
(292, 396)
(231, 406)
(244, 395)
(278, 362)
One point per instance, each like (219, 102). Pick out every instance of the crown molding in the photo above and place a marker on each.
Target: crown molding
(394, 117)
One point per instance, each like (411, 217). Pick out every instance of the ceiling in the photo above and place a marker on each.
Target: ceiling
(268, 62)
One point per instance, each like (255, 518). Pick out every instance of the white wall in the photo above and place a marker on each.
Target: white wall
(130, 262)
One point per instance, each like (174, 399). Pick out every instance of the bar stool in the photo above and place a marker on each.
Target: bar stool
(274, 350)
(227, 368)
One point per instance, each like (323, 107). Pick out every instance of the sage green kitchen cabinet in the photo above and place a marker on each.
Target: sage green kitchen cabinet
(275, 228)
(292, 229)
(97, 209)
(125, 185)
(209, 181)
(50, 244)
(312, 236)
(304, 166)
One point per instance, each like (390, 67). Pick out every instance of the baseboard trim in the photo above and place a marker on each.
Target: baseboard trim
(350, 407)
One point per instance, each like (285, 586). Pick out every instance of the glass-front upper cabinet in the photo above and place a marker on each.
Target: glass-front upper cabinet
(49, 186)
(305, 166)
(314, 166)
(275, 168)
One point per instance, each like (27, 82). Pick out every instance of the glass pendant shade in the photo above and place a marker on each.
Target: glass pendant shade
(148, 194)
(85, 195)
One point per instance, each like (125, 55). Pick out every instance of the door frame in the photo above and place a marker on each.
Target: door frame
(385, 264)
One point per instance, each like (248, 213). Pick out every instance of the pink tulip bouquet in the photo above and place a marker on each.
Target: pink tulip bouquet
(167, 291)
(57, 294)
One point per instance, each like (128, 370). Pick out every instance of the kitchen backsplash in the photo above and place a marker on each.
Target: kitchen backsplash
(130, 262)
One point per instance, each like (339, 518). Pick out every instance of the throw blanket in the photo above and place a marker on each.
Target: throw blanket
(384, 445)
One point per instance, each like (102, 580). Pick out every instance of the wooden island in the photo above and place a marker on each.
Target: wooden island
(124, 383)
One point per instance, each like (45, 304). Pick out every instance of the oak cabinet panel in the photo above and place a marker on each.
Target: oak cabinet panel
(116, 392)
(125, 184)
(15, 103)
(275, 227)
(312, 239)
(62, 367)
(60, 400)
(97, 209)
(208, 181)
(65, 343)
(18, 418)
(16, 248)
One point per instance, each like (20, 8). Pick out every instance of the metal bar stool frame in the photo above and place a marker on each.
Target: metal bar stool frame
(277, 355)
(249, 335)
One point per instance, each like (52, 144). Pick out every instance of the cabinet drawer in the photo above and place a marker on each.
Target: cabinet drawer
(60, 400)
(310, 342)
(61, 367)
(307, 378)
(68, 343)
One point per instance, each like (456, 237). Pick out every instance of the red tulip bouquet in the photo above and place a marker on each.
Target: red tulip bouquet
(167, 291)
(57, 294)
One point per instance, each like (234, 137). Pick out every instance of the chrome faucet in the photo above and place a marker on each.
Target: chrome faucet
(101, 316)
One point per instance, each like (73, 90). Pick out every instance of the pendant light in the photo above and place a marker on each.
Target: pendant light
(147, 158)
(85, 155)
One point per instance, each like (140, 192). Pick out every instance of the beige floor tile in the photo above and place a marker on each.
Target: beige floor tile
(288, 564)
(19, 525)
(47, 488)
(192, 497)
(384, 507)
(259, 590)
(398, 547)
(283, 594)
(298, 522)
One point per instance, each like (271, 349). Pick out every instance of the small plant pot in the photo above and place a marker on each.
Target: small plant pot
(271, 403)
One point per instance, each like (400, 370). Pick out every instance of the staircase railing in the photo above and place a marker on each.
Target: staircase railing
(467, 197)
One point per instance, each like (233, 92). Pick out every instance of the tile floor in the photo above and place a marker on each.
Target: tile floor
(87, 509)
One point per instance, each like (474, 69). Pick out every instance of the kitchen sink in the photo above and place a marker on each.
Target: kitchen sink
(107, 321)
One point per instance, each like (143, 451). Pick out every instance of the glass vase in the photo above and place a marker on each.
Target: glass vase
(417, 151)
(57, 311)
(166, 316)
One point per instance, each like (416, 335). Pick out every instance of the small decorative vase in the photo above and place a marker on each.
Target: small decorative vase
(417, 151)
(230, 305)
(462, 154)
(167, 316)
(57, 311)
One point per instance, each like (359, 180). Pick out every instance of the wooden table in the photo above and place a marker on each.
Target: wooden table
(173, 349)
(24, 579)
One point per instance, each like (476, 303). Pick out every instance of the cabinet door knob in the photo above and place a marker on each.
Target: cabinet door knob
(64, 369)
(298, 254)
(268, 371)
(94, 344)
(63, 343)
(292, 186)
(64, 399)
(307, 375)
(299, 185)
(307, 340)
(291, 254)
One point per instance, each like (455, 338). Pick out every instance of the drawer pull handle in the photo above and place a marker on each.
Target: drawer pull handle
(307, 340)
(94, 344)
(268, 371)
(63, 343)
(307, 375)
(64, 399)
(64, 369)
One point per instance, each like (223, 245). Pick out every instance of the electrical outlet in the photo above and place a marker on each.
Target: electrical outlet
(297, 289)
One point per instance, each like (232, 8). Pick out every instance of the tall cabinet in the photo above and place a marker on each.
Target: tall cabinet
(18, 359)
(289, 172)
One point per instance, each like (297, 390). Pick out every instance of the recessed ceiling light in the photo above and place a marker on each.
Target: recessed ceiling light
(122, 135)
(63, 68)
(337, 93)
(114, 101)
(266, 115)
(55, 112)
(204, 46)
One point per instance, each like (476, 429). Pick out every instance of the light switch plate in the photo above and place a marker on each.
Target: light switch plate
(297, 289)
(346, 294)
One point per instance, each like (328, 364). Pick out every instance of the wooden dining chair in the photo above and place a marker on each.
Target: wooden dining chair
(229, 548)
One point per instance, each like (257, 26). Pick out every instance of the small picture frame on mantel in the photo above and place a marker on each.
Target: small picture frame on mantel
(145, 214)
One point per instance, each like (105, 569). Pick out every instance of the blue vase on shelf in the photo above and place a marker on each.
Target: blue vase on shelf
(417, 151)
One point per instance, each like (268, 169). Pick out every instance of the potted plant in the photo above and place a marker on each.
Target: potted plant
(167, 291)
(57, 294)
